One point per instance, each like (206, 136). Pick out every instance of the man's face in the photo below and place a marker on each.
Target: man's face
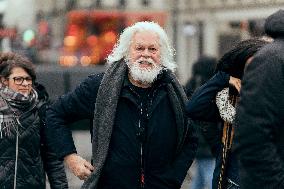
(145, 45)
(144, 59)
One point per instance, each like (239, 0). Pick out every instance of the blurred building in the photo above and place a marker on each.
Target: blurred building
(211, 26)
(78, 32)
(82, 32)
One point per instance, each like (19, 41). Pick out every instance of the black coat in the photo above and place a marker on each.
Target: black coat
(260, 120)
(34, 159)
(164, 171)
(202, 106)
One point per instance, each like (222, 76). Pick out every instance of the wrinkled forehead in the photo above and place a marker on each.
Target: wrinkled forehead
(146, 38)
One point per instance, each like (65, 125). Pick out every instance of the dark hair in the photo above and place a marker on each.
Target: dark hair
(8, 61)
(204, 66)
(233, 62)
(202, 70)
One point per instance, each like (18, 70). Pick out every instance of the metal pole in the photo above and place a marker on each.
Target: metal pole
(175, 15)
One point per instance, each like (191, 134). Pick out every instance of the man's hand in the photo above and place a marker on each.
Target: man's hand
(79, 166)
(235, 82)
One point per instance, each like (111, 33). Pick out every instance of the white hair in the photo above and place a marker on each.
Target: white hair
(121, 49)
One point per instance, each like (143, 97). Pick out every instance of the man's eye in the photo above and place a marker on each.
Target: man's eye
(139, 48)
(152, 49)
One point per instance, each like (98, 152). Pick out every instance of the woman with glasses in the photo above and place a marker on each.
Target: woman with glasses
(24, 158)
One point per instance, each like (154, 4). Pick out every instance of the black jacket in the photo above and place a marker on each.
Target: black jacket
(34, 159)
(260, 117)
(166, 166)
(202, 106)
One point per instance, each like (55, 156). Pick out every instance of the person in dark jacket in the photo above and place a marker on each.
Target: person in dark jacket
(24, 156)
(141, 136)
(215, 102)
(260, 114)
(202, 70)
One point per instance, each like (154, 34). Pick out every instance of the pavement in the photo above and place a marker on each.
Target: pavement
(82, 142)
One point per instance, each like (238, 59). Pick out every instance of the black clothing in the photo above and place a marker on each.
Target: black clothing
(202, 71)
(169, 146)
(144, 107)
(202, 106)
(34, 158)
(260, 117)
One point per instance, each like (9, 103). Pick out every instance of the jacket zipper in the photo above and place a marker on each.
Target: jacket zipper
(142, 135)
(17, 119)
(142, 178)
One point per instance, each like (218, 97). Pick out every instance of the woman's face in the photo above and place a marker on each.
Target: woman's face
(19, 81)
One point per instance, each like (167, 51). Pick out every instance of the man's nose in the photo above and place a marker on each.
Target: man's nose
(146, 53)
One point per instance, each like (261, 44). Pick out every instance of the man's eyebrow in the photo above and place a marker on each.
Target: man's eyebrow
(139, 43)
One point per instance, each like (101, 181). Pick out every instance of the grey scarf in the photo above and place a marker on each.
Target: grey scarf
(12, 104)
(105, 110)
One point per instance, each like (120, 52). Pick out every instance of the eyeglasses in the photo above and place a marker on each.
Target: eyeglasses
(20, 80)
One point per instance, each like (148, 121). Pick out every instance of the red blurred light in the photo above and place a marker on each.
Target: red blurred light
(109, 37)
(73, 29)
(92, 40)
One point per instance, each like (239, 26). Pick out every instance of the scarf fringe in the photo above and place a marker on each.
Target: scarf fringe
(8, 128)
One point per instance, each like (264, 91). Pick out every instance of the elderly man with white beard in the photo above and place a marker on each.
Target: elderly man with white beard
(141, 137)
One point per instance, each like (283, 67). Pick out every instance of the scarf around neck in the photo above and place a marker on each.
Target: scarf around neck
(105, 111)
(12, 105)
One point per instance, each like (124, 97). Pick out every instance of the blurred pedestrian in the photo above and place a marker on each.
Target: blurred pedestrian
(260, 118)
(141, 135)
(24, 156)
(203, 69)
(215, 102)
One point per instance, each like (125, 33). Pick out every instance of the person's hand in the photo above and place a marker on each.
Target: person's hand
(235, 82)
(79, 166)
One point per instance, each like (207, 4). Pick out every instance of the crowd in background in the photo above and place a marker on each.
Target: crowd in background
(146, 128)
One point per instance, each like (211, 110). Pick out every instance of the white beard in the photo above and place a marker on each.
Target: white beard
(144, 75)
